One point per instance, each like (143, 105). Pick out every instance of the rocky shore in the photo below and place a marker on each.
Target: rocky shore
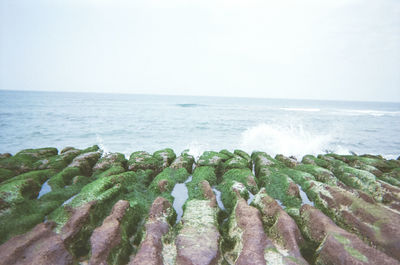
(87, 207)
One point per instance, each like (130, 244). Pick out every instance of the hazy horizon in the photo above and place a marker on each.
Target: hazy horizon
(200, 96)
(332, 50)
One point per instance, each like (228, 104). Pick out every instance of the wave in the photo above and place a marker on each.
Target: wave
(375, 113)
(188, 105)
(302, 109)
(288, 140)
(100, 143)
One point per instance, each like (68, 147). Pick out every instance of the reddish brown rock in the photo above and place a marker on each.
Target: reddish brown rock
(40, 246)
(156, 226)
(288, 161)
(162, 185)
(5, 155)
(337, 246)
(251, 181)
(293, 190)
(208, 193)
(79, 217)
(108, 235)
(282, 228)
(198, 240)
(85, 162)
(254, 239)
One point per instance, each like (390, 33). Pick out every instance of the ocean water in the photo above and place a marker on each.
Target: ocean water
(127, 123)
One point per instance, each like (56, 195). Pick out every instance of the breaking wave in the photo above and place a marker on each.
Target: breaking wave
(288, 140)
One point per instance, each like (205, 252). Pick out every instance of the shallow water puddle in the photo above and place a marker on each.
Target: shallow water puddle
(69, 200)
(280, 203)
(218, 198)
(304, 197)
(45, 189)
(251, 198)
(180, 194)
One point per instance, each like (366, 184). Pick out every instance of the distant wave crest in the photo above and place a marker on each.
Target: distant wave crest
(189, 105)
(376, 113)
(301, 109)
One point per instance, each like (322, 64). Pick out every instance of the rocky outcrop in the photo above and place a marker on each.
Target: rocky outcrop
(166, 156)
(185, 161)
(37, 247)
(86, 207)
(142, 160)
(198, 239)
(282, 229)
(157, 225)
(335, 245)
(108, 236)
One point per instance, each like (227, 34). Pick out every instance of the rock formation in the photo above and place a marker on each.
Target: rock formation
(86, 207)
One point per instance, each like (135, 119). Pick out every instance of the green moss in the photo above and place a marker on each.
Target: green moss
(112, 170)
(183, 161)
(287, 161)
(24, 216)
(64, 177)
(228, 155)
(106, 191)
(57, 162)
(213, 159)
(18, 164)
(347, 246)
(24, 161)
(236, 162)
(200, 174)
(120, 253)
(166, 156)
(93, 148)
(376, 161)
(312, 160)
(263, 161)
(38, 153)
(22, 187)
(244, 155)
(360, 179)
(395, 173)
(108, 161)
(143, 160)
(172, 176)
(387, 178)
(277, 185)
(238, 178)
(6, 174)
(320, 174)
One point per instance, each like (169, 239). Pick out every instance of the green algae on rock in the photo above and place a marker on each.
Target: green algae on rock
(102, 208)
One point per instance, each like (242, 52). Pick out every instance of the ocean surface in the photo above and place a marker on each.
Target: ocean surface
(126, 123)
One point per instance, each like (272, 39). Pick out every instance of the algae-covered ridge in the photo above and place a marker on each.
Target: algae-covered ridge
(111, 209)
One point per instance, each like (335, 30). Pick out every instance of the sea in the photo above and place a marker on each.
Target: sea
(127, 122)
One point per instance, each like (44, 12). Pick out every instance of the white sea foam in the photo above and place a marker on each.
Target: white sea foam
(287, 140)
(196, 149)
(301, 109)
(100, 143)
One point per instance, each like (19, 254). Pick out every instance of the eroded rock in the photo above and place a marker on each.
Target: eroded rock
(108, 235)
(157, 225)
(40, 246)
(335, 245)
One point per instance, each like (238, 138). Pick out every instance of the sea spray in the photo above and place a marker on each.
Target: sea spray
(288, 140)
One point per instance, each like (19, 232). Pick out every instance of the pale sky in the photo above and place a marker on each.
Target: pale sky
(314, 49)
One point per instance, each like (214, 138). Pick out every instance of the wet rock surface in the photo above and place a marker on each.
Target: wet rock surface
(89, 207)
(39, 246)
(157, 225)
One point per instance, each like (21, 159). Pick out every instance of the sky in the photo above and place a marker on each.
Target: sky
(306, 49)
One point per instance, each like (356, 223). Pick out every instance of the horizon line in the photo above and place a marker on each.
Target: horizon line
(183, 95)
